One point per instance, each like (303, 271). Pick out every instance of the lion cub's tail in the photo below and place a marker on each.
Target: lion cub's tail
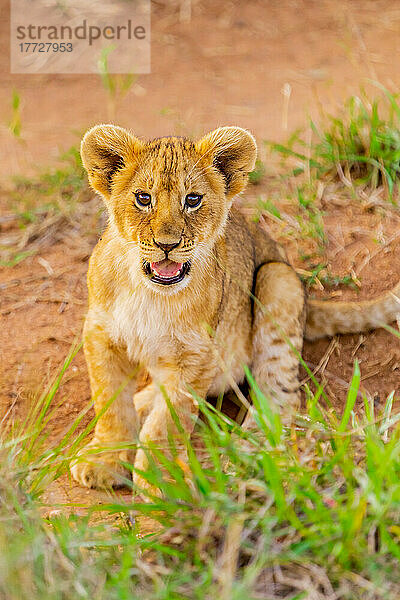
(326, 318)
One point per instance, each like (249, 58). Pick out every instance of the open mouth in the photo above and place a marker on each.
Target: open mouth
(166, 272)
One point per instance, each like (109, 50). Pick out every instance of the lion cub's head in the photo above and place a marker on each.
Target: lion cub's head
(169, 197)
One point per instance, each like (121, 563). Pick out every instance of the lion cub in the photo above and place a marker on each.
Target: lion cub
(171, 290)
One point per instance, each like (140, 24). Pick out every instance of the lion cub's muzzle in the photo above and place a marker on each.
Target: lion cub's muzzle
(171, 268)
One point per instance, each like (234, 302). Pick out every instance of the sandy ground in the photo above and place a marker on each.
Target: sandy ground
(229, 64)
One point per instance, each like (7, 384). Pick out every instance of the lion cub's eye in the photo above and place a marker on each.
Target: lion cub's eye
(142, 199)
(193, 200)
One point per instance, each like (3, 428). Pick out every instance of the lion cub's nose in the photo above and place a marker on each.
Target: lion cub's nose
(166, 247)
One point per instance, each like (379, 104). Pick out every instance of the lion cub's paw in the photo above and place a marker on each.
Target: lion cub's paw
(143, 490)
(102, 470)
(145, 399)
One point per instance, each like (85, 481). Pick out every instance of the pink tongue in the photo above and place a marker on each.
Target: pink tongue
(166, 268)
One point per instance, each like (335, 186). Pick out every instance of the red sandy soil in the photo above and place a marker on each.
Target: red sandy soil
(227, 65)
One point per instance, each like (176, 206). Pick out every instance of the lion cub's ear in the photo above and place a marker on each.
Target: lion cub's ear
(105, 149)
(233, 151)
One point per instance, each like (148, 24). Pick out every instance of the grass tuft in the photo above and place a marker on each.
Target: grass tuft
(360, 146)
(116, 86)
(15, 124)
(257, 175)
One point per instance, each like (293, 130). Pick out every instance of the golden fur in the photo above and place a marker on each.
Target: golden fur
(198, 333)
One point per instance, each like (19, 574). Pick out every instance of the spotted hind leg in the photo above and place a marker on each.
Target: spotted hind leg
(279, 316)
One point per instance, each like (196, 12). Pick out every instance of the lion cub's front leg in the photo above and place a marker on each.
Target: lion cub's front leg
(279, 316)
(157, 420)
(109, 371)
